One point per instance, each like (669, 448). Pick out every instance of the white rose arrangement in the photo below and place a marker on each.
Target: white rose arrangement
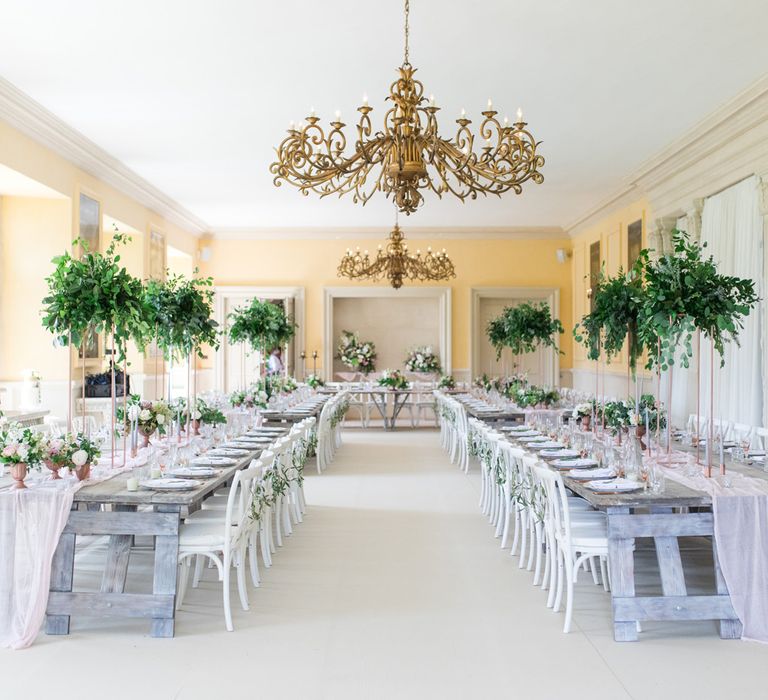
(423, 359)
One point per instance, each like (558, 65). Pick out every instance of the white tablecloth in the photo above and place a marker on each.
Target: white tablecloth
(741, 536)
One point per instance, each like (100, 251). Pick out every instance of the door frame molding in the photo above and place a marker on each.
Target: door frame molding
(243, 293)
(549, 294)
(442, 294)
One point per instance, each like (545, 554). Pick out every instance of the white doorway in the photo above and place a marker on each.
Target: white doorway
(542, 366)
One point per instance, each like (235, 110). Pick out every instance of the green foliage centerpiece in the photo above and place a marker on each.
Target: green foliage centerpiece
(524, 328)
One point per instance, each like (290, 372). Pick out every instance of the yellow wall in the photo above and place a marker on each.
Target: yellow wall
(479, 263)
(32, 231)
(35, 230)
(612, 234)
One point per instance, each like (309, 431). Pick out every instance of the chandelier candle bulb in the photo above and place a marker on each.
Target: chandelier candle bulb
(365, 100)
(431, 100)
(520, 115)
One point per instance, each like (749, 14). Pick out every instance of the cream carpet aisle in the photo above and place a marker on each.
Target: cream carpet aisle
(392, 588)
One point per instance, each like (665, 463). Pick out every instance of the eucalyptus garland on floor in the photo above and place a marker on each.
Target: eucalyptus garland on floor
(95, 293)
(261, 324)
(524, 328)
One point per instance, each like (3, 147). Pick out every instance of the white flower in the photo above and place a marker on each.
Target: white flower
(160, 419)
(196, 415)
(133, 412)
(79, 458)
(23, 452)
(145, 415)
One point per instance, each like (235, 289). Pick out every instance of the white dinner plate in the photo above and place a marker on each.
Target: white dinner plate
(228, 452)
(537, 438)
(527, 433)
(578, 463)
(562, 454)
(591, 474)
(615, 486)
(205, 461)
(548, 445)
(168, 484)
(192, 472)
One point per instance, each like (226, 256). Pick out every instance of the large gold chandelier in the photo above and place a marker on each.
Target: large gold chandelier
(396, 263)
(408, 155)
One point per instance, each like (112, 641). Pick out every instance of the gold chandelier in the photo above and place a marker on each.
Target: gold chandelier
(408, 155)
(396, 263)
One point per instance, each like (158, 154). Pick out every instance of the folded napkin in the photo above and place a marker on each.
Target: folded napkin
(617, 485)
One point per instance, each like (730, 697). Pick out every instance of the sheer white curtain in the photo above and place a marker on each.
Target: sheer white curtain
(732, 228)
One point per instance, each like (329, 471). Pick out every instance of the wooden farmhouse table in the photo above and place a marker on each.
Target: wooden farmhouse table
(108, 508)
(665, 518)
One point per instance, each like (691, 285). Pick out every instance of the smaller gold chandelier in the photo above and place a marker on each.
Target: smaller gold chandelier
(397, 264)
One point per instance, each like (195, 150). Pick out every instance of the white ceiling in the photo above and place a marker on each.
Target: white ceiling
(194, 95)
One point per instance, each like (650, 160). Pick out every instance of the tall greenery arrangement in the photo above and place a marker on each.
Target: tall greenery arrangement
(262, 324)
(523, 328)
(684, 292)
(95, 292)
(617, 308)
(180, 313)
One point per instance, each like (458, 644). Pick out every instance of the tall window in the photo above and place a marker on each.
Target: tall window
(594, 271)
(634, 242)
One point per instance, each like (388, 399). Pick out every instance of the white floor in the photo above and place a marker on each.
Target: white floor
(393, 587)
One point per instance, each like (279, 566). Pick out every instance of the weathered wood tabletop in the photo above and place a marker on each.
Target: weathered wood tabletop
(122, 515)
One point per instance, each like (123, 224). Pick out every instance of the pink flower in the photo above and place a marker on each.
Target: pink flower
(9, 450)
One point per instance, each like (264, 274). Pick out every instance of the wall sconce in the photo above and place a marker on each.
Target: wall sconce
(562, 255)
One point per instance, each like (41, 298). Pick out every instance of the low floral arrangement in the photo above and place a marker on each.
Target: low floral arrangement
(84, 450)
(582, 410)
(314, 381)
(446, 382)
(616, 414)
(423, 359)
(536, 396)
(648, 409)
(483, 382)
(393, 379)
(356, 355)
(276, 384)
(20, 445)
(208, 414)
(509, 386)
(249, 398)
(150, 416)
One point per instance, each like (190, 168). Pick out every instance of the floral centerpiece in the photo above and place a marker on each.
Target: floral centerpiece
(84, 452)
(483, 382)
(263, 325)
(616, 415)
(356, 355)
(314, 381)
(509, 386)
(536, 396)
(446, 382)
(20, 448)
(207, 413)
(148, 416)
(252, 397)
(582, 413)
(423, 359)
(393, 379)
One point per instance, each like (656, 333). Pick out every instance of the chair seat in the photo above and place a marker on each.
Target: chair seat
(208, 515)
(202, 534)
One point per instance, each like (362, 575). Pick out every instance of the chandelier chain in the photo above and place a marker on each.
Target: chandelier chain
(407, 30)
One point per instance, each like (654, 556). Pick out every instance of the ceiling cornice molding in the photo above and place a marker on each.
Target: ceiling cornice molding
(324, 233)
(34, 120)
(719, 130)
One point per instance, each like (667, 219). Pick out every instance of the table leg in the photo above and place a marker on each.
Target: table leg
(116, 567)
(621, 563)
(165, 575)
(729, 628)
(62, 571)
(398, 406)
(380, 401)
